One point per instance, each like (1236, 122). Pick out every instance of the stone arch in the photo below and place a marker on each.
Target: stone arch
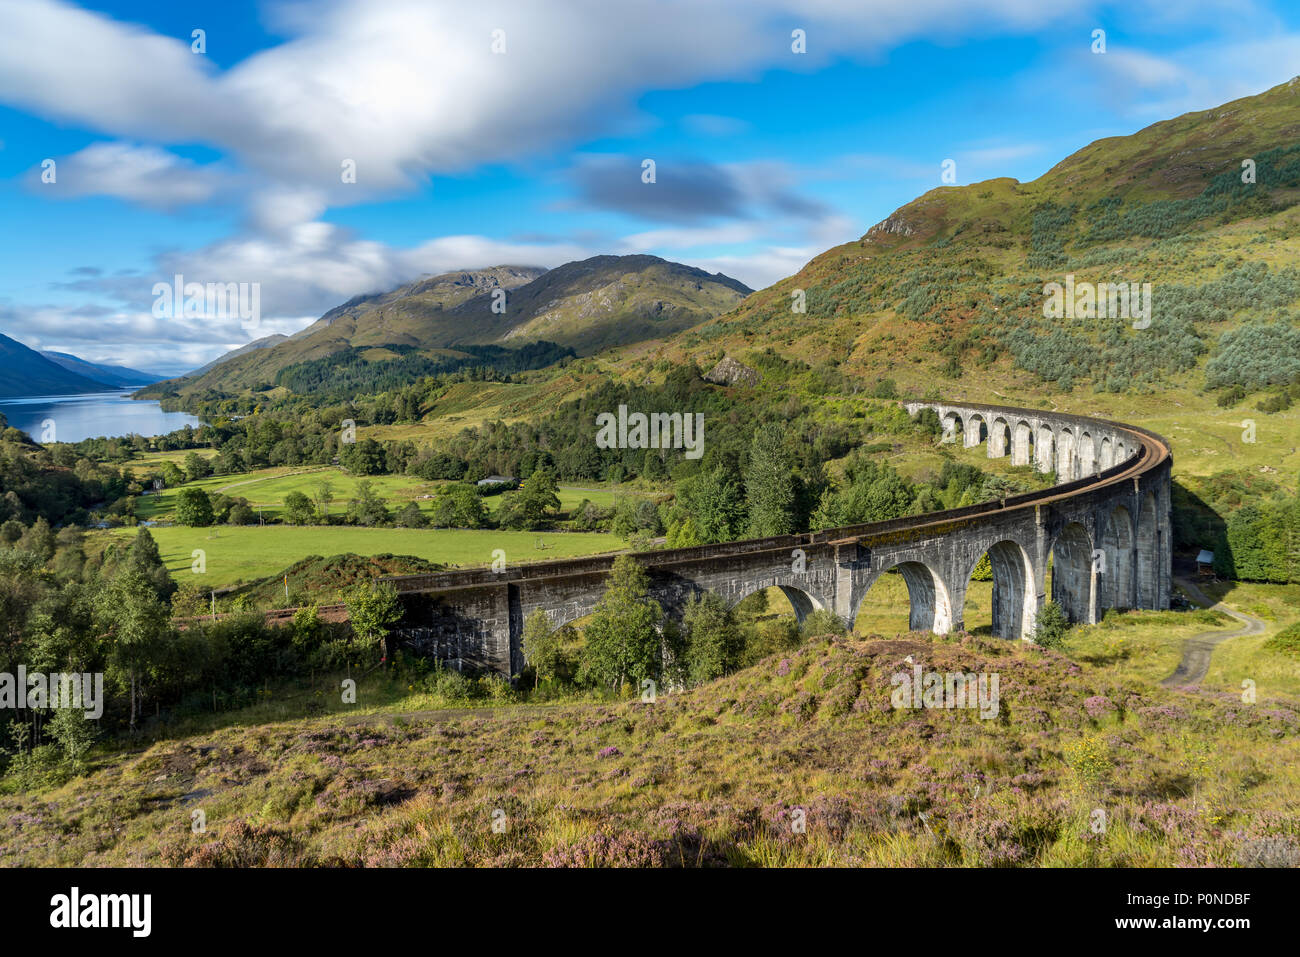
(1045, 449)
(1107, 457)
(803, 602)
(1022, 444)
(1065, 455)
(1014, 590)
(953, 427)
(977, 429)
(1121, 454)
(1148, 561)
(568, 613)
(999, 438)
(1116, 576)
(929, 606)
(1072, 573)
(1087, 455)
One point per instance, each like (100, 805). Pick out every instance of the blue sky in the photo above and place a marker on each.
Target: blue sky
(226, 165)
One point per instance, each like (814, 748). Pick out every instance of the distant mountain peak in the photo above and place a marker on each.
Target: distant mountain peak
(587, 305)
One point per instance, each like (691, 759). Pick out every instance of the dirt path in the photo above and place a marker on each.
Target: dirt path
(1198, 648)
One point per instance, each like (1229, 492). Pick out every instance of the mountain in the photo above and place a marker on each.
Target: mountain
(109, 374)
(25, 372)
(587, 305)
(948, 292)
(597, 303)
(408, 315)
(266, 342)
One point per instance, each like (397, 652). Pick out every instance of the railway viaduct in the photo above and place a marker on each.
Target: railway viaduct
(1103, 530)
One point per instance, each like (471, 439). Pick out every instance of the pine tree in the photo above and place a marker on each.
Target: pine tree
(769, 485)
(145, 560)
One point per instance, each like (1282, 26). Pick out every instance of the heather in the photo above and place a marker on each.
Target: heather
(797, 760)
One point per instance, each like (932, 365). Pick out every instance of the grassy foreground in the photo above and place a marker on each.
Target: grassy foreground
(800, 760)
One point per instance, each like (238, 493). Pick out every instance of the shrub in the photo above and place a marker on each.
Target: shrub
(1050, 629)
(822, 622)
(1285, 642)
(1089, 761)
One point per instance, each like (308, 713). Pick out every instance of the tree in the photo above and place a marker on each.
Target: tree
(543, 647)
(38, 540)
(534, 504)
(459, 506)
(136, 625)
(372, 607)
(298, 509)
(145, 560)
(363, 458)
(714, 642)
(683, 534)
(769, 484)
(410, 516)
(622, 638)
(172, 475)
(196, 467)
(74, 733)
(367, 508)
(194, 507)
(717, 502)
(324, 495)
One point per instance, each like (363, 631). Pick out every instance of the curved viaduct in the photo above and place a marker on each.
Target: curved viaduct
(1103, 530)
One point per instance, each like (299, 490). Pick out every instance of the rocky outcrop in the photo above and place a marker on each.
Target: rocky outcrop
(731, 372)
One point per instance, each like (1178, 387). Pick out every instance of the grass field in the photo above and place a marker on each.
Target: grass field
(240, 553)
(266, 489)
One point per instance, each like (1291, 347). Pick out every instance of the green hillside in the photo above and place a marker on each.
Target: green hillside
(25, 372)
(717, 776)
(587, 305)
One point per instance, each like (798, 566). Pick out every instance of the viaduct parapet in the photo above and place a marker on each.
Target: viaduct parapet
(1104, 530)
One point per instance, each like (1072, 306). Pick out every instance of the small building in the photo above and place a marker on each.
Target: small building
(1205, 562)
(497, 480)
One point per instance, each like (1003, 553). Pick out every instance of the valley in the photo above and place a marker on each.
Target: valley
(647, 714)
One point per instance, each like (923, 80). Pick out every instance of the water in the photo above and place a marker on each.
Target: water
(71, 418)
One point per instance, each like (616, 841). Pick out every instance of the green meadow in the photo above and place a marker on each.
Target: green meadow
(266, 489)
(240, 553)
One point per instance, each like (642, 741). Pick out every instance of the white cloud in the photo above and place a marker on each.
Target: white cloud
(762, 268)
(1197, 77)
(406, 88)
(142, 174)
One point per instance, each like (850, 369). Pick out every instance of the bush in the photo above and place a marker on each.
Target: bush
(1285, 642)
(822, 622)
(769, 637)
(450, 685)
(1050, 629)
(1089, 760)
